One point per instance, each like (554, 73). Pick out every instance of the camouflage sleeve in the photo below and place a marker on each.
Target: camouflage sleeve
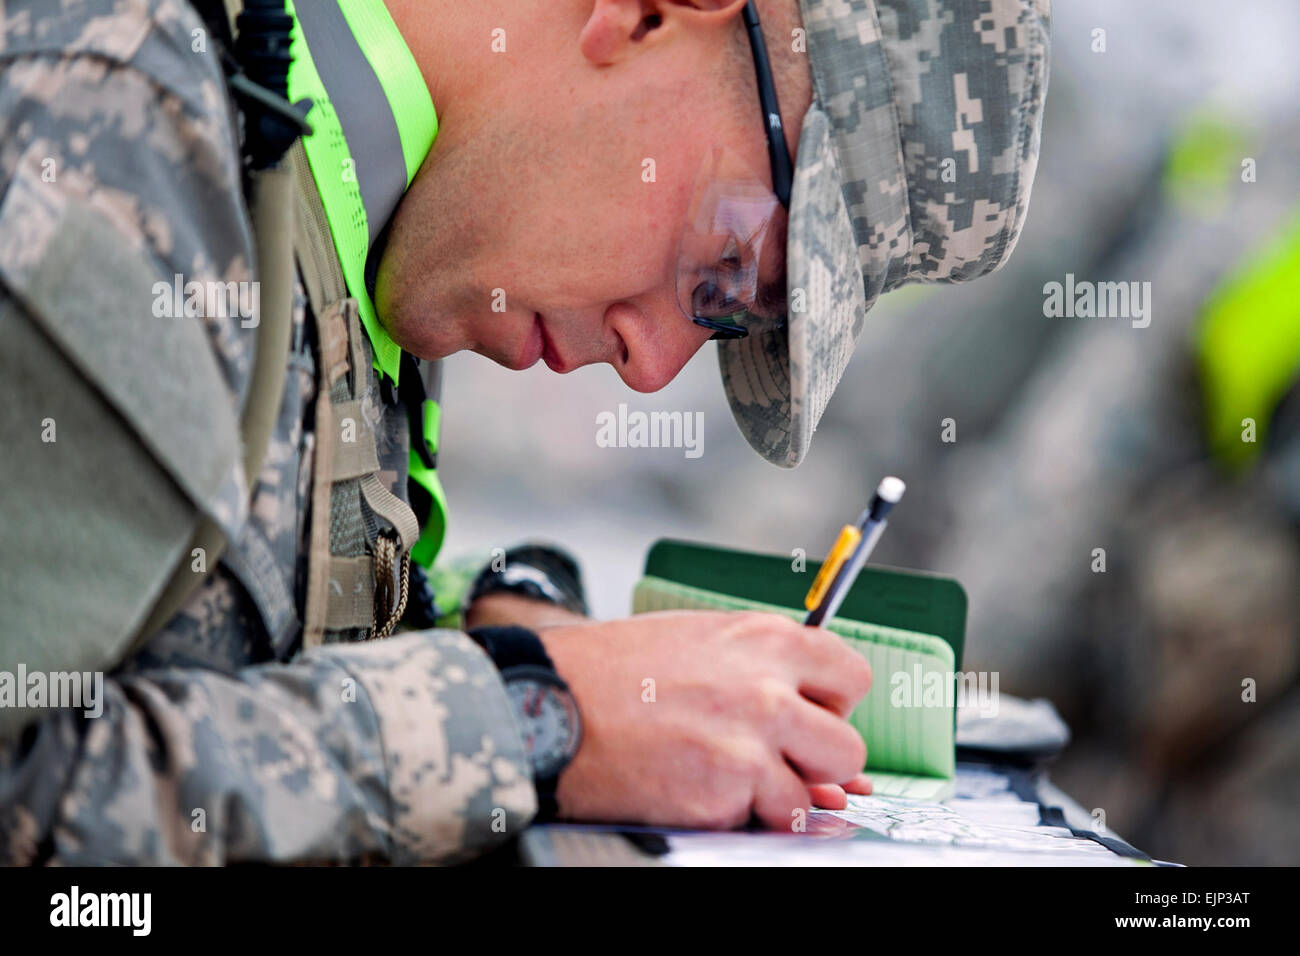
(348, 753)
(118, 167)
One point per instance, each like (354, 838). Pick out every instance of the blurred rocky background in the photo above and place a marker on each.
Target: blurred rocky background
(1072, 435)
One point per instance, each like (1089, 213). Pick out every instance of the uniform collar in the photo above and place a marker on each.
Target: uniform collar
(373, 123)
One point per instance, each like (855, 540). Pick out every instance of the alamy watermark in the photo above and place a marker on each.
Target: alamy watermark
(75, 908)
(637, 429)
(82, 690)
(1084, 299)
(208, 300)
(977, 690)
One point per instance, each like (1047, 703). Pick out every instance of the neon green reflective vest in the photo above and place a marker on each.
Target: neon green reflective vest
(374, 122)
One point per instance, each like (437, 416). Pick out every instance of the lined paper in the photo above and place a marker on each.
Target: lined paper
(908, 732)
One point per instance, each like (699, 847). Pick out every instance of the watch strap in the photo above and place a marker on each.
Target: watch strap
(548, 808)
(512, 646)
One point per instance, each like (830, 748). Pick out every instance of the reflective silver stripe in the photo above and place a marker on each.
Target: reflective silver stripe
(361, 106)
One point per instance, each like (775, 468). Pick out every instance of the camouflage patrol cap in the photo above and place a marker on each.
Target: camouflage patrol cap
(914, 164)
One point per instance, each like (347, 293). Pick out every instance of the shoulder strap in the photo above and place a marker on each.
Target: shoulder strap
(272, 208)
(351, 587)
(271, 195)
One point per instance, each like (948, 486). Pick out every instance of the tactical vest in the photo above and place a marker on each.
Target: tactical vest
(361, 534)
(362, 537)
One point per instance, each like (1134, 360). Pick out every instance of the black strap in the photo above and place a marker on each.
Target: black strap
(262, 50)
(512, 647)
(411, 393)
(256, 64)
(213, 13)
(515, 647)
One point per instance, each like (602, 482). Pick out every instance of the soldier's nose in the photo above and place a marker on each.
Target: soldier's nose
(654, 346)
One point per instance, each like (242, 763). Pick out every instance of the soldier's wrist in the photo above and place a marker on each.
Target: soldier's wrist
(543, 705)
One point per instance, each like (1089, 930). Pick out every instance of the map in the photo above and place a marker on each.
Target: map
(983, 823)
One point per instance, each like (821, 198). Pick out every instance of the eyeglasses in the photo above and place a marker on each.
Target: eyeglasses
(734, 233)
(777, 150)
(735, 221)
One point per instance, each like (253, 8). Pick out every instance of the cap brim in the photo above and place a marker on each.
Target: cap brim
(779, 382)
(900, 100)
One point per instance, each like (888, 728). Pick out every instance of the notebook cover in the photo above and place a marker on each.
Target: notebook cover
(907, 600)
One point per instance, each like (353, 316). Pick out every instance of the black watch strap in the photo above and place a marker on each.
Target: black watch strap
(513, 646)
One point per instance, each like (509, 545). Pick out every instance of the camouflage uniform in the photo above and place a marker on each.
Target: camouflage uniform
(217, 714)
(219, 740)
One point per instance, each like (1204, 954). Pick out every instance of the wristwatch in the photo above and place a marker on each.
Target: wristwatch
(537, 571)
(544, 707)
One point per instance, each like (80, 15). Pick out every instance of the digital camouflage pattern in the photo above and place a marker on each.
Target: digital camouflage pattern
(914, 164)
(219, 741)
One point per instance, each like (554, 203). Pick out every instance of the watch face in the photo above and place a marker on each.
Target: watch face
(548, 718)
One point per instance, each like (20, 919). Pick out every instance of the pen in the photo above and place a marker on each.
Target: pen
(849, 553)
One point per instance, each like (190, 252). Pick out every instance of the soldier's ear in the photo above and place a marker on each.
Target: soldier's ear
(618, 29)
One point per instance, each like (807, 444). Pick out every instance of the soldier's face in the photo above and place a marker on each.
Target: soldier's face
(547, 221)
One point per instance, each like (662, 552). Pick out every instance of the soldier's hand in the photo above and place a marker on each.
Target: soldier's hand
(830, 796)
(700, 719)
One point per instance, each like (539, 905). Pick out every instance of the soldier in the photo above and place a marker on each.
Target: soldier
(213, 458)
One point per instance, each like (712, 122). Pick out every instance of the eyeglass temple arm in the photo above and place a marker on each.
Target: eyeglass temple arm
(777, 150)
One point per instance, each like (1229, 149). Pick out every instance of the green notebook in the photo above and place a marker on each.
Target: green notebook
(909, 625)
